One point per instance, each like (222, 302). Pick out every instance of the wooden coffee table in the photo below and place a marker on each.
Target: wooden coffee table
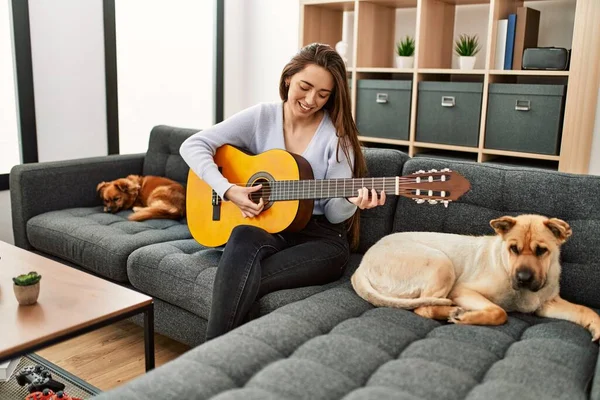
(71, 303)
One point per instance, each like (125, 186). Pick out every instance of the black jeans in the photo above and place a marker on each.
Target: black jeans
(255, 262)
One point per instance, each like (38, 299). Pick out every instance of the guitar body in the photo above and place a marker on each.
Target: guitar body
(212, 220)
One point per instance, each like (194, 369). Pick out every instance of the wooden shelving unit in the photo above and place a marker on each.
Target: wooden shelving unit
(434, 32)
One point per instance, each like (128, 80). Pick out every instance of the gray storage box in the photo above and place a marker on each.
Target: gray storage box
(525, 118)
(383, 108)
(449, 113)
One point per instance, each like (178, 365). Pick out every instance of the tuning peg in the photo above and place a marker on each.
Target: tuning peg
(433, 201)
(419, 201)
(420, 171)
(446, 203)
(433, 170)
(445, 170)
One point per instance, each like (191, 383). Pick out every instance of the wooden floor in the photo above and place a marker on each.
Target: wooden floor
(109, 357)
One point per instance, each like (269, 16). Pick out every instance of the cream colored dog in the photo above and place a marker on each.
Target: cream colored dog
(473, 280)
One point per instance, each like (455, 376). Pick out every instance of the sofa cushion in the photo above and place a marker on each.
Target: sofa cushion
(377, 222)
(179, 272)
(496, 191)
(97, 241)
(182, 272)
(162, 157)
(334, 345)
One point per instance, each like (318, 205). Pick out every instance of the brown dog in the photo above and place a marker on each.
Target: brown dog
(473, 280)
(149, 196)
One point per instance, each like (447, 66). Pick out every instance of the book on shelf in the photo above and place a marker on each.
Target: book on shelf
(500, 44)
(7, 368)
(526, 33)
(510, 41)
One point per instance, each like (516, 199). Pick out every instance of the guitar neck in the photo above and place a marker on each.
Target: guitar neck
(329, 188)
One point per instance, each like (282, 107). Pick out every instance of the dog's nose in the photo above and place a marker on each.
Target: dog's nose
(524, 277)
(108, 209)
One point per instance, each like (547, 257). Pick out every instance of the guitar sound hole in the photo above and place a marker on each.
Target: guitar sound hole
(264, 192)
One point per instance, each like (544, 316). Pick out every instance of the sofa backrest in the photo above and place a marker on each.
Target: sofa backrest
(497, 191)
(378, 222)
(162, 157)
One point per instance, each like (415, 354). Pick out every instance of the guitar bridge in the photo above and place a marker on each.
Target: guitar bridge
(216, 206)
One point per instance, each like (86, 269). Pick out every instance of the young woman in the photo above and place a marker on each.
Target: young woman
(313, 120)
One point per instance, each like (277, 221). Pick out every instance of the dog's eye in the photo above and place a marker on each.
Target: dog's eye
(540, 251)
(116, 199)
(514, 249)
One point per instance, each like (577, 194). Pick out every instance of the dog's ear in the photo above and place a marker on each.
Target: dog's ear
(122, 185)
(503, 224)
(100, 188)
(560, 229)
(127, 186)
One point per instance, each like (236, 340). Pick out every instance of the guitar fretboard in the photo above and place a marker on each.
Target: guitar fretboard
(327, 188)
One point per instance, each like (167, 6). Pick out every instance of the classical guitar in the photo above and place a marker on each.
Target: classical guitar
(289, 189)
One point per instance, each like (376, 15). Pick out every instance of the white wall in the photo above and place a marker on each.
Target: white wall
(67, 45)
(265, 36)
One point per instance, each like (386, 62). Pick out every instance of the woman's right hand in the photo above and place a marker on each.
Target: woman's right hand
(240, 196)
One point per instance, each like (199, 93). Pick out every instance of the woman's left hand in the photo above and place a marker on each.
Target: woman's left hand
(363, 202)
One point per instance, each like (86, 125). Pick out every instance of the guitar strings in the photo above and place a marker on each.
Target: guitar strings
(391, 181)
(297, 195)
(405, 193)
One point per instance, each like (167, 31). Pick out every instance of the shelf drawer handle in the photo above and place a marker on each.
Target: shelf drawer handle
(382, 98)
(523, 105)
(448, 101)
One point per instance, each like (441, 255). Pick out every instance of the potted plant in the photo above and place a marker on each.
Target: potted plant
(27, 288)
(466, 47)
(405, 50)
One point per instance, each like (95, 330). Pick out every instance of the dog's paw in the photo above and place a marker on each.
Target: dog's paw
(594, 328)
(456, 315)
(136, 209)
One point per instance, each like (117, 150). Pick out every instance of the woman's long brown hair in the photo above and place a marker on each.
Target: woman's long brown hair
(338, 107)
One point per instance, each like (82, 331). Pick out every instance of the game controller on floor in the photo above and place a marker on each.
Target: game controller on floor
(38, 378)
(48, 394)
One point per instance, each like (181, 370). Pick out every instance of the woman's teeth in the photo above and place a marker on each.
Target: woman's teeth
(304, 107)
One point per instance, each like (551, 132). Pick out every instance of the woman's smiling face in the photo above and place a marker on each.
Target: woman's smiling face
(309, 90)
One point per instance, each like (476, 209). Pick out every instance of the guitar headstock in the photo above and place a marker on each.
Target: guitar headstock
(433, 186)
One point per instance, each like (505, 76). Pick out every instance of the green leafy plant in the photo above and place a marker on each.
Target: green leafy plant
(27, 279)
(466, 45)
(406, 47)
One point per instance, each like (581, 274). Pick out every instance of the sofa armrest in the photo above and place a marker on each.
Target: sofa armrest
(47, 186)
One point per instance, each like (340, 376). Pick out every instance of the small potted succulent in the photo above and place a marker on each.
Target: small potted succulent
(466, 47)
(27, 288)
(405, 51)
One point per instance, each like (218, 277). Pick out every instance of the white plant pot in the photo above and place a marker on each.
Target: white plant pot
(27, 295)
(405, 62)
(467, 62)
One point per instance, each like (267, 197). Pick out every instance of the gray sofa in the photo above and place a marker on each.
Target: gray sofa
(325, 342)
